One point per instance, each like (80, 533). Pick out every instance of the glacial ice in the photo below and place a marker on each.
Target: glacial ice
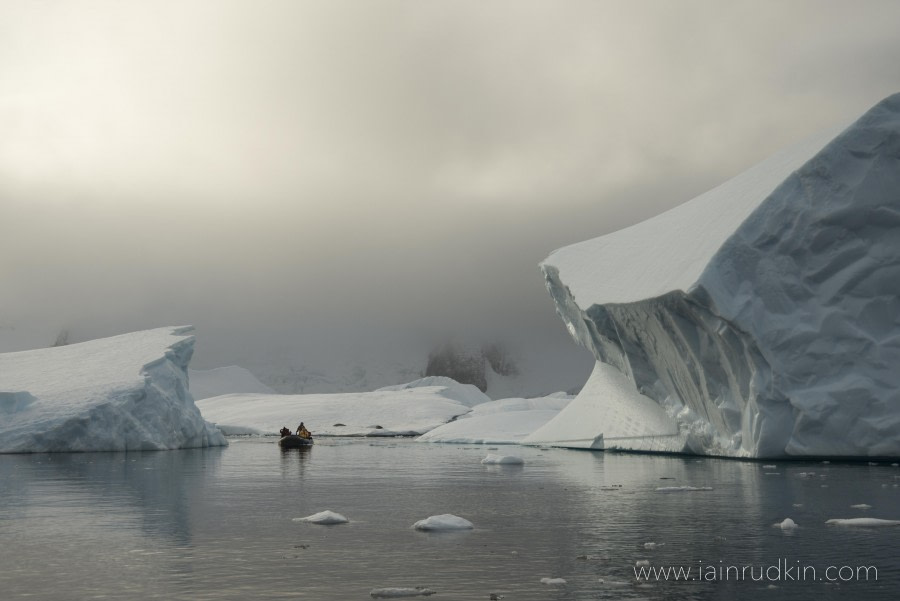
(325, 518)
(124, 393)
(756, 320)
(446, 521)
(406, 410)
(506, 421)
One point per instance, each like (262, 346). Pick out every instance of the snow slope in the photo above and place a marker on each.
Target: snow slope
(759, 318)
(506, 421)
(409, 409)
(207, 383)
(124, 393)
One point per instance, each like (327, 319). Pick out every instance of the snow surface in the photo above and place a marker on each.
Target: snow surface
(444, 521)
(208, 383)
(325, 518)
(506, 421)
(408, 410)
(124, 393)
(757, 320)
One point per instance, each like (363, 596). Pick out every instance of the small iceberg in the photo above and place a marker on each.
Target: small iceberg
(554, 581)
(443, 522)
(394, 592)
(682, 488)
(324, 518)
(864, 522)
(492, 459)
(786, 524)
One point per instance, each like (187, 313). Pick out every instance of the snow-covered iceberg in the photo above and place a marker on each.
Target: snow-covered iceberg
(125, 393)
(759, 319)
(408, 409)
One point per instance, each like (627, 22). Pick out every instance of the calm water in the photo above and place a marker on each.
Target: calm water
(216, 524)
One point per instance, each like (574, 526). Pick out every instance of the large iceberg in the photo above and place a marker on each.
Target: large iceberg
(758, 320)
(125, 393)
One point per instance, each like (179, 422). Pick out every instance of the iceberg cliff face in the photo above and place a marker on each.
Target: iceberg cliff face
(125, 393)
(761, 319)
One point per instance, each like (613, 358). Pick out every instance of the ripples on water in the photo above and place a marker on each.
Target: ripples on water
(217, 523)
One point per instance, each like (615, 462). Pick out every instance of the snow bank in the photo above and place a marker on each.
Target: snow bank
(407, 410)
(467, 394)
(757, 320)
(443, 522)
(125, 393)
(224, 380)
(506, 421)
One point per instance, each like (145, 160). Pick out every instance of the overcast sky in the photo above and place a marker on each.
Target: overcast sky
(309, 171)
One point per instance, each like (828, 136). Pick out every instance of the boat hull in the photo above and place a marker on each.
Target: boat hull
(294, 442)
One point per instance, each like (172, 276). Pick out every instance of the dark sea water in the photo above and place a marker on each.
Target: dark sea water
(217, 524)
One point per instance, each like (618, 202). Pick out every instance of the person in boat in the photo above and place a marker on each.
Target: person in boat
(302, 432)
(285, 431)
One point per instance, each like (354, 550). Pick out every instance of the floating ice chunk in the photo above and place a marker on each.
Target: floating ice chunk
(324, 518)
(873, 463)
(769, 467)
(554, 581)
(786, 524)
(653, 545)
(444, 521)
(798, 504)
(861, 506)
(492, 459)
(865, 522)
(772, 473)
(682, 488)
(642, 563)
(393, 592)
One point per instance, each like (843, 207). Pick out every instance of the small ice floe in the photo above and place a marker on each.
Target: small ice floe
(895, 465)
(652, 545)
(492, 459)
(769, 467)
(444, 521)
(806, 474)
(786, 524)
(798, 505)
(323, 517)
(861, 506)
(864, 522)
(392, 592)
(823, 486)
(826, 462)
(682, 488)
(642, 563)
(593, 557)
(873, 463)
(554, 581)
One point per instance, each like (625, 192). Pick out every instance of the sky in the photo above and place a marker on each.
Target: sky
(322, 175)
